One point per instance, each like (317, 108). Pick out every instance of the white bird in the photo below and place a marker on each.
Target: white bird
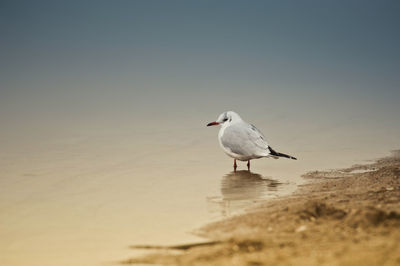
(243, 141)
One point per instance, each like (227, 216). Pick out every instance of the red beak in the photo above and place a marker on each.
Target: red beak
(212, 124)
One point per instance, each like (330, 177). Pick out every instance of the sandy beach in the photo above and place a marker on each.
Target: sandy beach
(339, 217)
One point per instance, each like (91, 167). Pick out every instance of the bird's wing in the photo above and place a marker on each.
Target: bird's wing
(245, 139)
(258, 137)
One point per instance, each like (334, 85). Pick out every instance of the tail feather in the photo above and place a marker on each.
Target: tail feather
(275, 153)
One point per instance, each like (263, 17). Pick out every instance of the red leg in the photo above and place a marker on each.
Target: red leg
(234, 165)
(248, 165)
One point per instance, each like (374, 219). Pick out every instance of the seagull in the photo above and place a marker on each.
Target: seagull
(243, 141)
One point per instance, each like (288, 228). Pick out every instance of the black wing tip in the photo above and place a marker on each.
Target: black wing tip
(273, 152)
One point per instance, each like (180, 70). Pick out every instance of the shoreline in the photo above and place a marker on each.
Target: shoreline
(346, 216)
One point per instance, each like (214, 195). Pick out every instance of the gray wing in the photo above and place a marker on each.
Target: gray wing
(245, 139)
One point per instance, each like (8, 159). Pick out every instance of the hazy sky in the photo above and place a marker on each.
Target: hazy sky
(106, 60)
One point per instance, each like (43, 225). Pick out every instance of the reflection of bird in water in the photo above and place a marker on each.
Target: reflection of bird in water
(245, 185)
(241, 189)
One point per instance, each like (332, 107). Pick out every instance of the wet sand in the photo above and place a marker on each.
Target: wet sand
(340, 217)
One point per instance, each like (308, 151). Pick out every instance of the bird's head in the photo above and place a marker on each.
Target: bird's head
(226, 118)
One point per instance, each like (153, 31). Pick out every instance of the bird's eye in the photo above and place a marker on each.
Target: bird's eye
(225, 119)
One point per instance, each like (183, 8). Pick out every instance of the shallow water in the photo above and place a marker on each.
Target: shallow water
(243, 189)
(83, 198)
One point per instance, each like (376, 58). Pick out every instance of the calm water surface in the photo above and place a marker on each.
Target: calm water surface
(83, 198)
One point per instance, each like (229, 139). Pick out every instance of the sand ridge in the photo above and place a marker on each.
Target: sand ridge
(341, 217)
